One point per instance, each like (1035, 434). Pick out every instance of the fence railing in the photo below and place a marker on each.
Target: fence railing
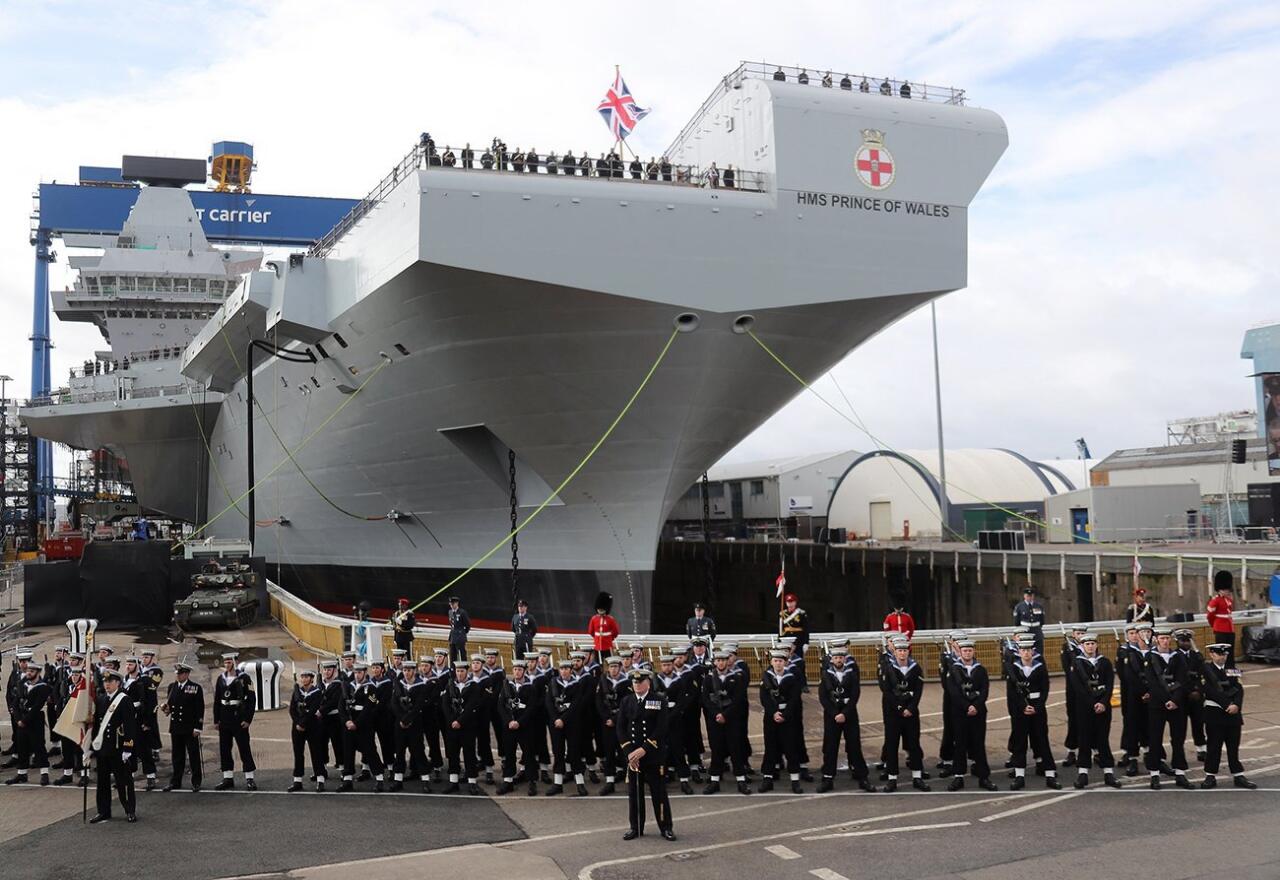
(494, 160)
(889, 87)
(66, 396)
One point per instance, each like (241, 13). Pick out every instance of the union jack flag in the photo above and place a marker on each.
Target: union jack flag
(619, 110)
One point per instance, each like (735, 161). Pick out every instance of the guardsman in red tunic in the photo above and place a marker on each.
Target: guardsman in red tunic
(603, 628)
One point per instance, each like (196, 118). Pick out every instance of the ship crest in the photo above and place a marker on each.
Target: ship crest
(873, 162)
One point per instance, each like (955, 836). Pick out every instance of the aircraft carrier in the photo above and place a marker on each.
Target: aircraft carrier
(468, 335)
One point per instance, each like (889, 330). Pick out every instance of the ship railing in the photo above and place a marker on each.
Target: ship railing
(917, 91)
(64, 396)
(431, 156)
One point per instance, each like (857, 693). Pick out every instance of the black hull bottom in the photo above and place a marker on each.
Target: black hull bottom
(559, 600)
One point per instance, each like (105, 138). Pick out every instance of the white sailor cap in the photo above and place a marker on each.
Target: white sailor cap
(148, 650)
(900, 642)
(108, 674)
(399, 652)
(75, 655)
(1088, 637)
(787, 640)
(565, 663)
(1145, 626)
(382, 663)
(964, 642)
(839, 651)
(683, 649)
(491, 652)
(24, 654)
(779, 654)
(441, 652)
(477, 657)
(360, 665)
(131, 659)
(1079, 628)
(613, 660)
(1219, 648)
(578, 655)
(956, 635)
(107, 648)
(666, 658)
(1163, 630)
(348, 655)
(636, 646)
(698, 640)
(64, 649)
(309, 673)
(544, 652)
(228, 655)
(722, 654)
(426, 659)
(461, 664)
(1025, 641)
(328, 664)
(532, 656)
(522, 662)
(729, 649)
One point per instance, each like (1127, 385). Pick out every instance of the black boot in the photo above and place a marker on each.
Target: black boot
(1182, 782)
(488, 777)
(63, 780)
(364, 776)
(795, 787)
(582, 790)
(533, 787)
(631, 834)
(805, 775)
(921, 785)
(593, 776)
(546, 777)
(1155, 783)
(452, 788)
(504, 788)
(555, 789)
(1241, 782)
(609, 788)
(1110, 780)
(378, 787)
(346, 786)
(1018, 784)
(426, 785)
(1082, 780)
(685, 787)
(988, 785)
(20, 779)
(472, 788)
(99, 818)
(744, 787)
(319, 787)
(396, 785)
(297, 786)
(890, 787)
(1052, 782)
(957, 783)
(225, 785)
(865, 785)
(825, 785)
(1069, 760)
(766, 784)
(1166, 770)
(1209, 782)
(695, 774)
(1132, 769)
(150, 786)
(251, 785)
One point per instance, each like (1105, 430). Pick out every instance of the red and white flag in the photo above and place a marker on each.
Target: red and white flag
(781, 581)
(1137, 570)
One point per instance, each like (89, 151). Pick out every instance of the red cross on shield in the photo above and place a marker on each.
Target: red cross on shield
(875, 166)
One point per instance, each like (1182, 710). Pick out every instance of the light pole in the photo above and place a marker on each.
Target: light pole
(943, 510)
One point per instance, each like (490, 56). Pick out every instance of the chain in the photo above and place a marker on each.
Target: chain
(515, 540)
(706, 537)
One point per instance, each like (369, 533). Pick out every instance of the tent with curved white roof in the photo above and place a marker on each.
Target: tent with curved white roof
(883, 489)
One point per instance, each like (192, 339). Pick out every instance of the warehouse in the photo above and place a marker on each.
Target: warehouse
(887, 494)
(1124, 514)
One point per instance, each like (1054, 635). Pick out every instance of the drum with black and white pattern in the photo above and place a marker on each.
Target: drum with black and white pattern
(265, 675)
(82, 630)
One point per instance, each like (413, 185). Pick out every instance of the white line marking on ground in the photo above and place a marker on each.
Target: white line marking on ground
(1048, 802)
(782, 852)
(827, 874)
(893, 830)
(587, 872)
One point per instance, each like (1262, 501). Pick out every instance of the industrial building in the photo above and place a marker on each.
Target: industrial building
(1208, 466)
(887, 494)
(779, 497)
(1124, 514)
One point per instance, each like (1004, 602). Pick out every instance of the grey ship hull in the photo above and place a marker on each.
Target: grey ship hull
(545, 369)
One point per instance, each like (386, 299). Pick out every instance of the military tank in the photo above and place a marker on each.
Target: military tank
(221, 595)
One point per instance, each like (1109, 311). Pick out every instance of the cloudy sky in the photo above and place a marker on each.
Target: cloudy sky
(1117, 255)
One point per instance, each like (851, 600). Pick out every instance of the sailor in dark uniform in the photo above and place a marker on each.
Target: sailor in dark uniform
(518, 711)
(434, 679)
(552, 163)
(307, 728)
(901, 687)
(584, 165)
(636, 168)
(568, 164)
(72, 755)
(724, 708)
(184, 707)
(234, 703)
(1093, 682)
(348, 670)
(641, 724)
(846, 83)
(448, 157)
(1028, 714)
(1070, 651)
(384, 722)
(55, 675)
(1223, 717)
(803, 78)
(1030, 613)
(608, 695)
(969, 685)
(1195, 692)
(780, 701)
(409, 697)
(28, 720)
(1139, 697)
(1166, 675)
(135, 685)
(565, 698)
(459, 626)
(331, 708)
(468, 156)
(403, 622)
(359, 713)
(525, 627)
(743, 722)
(463, 705)
(700, 625)
(486, 160)
(651, 169)
(665, 167)
(947, 656)
(494, 677)
(112, 743)
(838, 695)
(886, 88)
(779, 76)
(602, 167)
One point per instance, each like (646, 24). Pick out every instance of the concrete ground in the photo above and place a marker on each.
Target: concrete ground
(971, 834)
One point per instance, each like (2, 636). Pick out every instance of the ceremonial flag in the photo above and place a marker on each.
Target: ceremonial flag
(781, 581)
(618, 109)
(1137, 570)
